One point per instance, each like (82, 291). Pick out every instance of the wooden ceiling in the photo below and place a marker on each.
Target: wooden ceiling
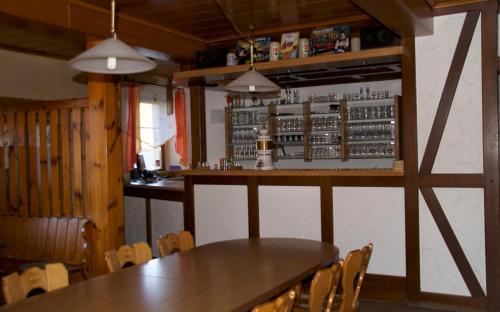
(176, 27)
(218, 20)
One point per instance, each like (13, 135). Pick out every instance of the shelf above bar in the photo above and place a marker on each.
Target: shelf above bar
(363, 57)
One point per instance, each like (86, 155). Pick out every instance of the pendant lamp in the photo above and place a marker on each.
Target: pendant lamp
(112, 56)
(252, 80)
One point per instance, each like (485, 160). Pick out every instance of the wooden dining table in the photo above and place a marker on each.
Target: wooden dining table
(232, 275)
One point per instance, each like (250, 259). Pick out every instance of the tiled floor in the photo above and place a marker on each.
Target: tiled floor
(384, 307)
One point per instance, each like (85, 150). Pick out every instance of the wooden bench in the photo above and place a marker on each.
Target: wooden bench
(45, 239)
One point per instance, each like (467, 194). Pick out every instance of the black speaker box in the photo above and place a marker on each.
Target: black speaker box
(376, 37)
(211, 58)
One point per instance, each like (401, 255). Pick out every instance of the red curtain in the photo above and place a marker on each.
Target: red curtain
(131, 148)
(180, 119)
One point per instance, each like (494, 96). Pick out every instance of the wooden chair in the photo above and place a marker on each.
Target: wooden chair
(366, 253)
(128, 255)
(16, 287)
(324, 284)
(356, 264)
(283, 303)
(175, 242)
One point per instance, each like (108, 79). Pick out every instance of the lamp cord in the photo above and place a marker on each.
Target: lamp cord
(113, 32)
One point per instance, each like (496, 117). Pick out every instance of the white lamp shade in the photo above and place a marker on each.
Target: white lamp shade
(112, 56)
(252, 81)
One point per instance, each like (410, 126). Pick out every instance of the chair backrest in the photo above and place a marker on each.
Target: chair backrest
(352, 268)
(175, 242)
(336, 274)
(320, 288)
(283, 303)
(366, 253)
(128, 255)
(16, 287)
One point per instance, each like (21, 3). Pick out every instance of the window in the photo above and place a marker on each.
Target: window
(156, 127)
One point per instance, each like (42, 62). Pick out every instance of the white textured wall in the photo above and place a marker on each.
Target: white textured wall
(371, 214)
(36, 77)
(290, 211)
(221, 213)
(167, 217)
(135, 220)
(460, 152)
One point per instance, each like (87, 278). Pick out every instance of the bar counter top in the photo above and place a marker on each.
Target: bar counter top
(166, 189)
(297, 173)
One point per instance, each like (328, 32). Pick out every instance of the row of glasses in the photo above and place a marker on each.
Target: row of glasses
(246, 118)
(290, 155)
(244, 136)
(245, 152)
(330, 152)
(371, 150)
(371, 131)
(370, 112)
(323, 123)
(289, 124)
(324, 139)
(292, 139)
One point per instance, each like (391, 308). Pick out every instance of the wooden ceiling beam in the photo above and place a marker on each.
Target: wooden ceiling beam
(95, 21)
(407, 18)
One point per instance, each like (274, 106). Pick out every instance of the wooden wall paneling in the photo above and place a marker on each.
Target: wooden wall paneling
(55, 198)
(326, 210)
(51, 238)
(198, 125)
(489, 56)
(449, 90)
(452, 243)
(76, 146)
(115, 204)
(3, 197)
(34, 202)
(65, 169)
(409, 116)
(61, 234)
(22, 162)
(12, 176)
(72, 240)
(253, 207)
(44, 166)
(41, 239)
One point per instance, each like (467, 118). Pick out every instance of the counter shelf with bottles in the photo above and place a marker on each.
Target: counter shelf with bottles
(357, 129)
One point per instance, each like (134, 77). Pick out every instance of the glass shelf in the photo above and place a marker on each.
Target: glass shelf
(356, 142)
(246, 126)
(355, 121)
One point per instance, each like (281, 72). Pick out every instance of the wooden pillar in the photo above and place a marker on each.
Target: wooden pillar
(410, 150)
(104, 165)
(489, 58)
(198, 125)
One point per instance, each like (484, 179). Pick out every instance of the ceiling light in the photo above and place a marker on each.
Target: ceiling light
(252, 80)
(112, 56)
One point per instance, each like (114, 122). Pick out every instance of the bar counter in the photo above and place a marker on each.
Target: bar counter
(297, 173)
